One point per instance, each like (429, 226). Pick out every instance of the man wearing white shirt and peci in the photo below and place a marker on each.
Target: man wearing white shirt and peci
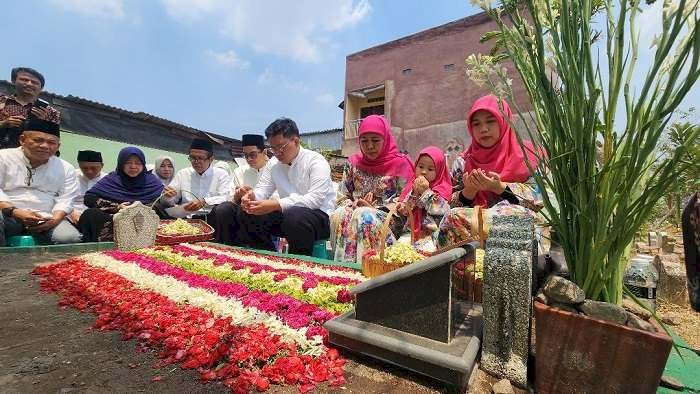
(197, 190)
(302, 178)
(244, 179)
(89, 171)
(36, 187)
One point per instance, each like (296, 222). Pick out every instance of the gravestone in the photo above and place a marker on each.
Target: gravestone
(672, 286)
(691, 244)
(415, 318)
(510, 252)
(653, 239)
(135, 227)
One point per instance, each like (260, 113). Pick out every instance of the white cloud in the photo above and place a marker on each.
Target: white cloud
(270, 78)
(229, 59)
(325, 99)
(113, 9)
(297, 30)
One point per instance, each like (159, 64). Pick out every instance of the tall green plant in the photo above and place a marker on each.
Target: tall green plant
(605, 174)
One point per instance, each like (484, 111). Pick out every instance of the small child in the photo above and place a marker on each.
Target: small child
(425, 200)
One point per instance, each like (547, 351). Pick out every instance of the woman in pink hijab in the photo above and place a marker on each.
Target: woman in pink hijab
(492, 173)
(371, 181)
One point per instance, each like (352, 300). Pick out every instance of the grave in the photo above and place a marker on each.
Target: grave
(416, 318)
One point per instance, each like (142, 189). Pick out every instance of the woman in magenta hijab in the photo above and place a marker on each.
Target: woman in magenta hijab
(492, 173)
(371, 181)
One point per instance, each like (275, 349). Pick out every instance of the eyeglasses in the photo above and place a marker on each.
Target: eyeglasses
(251, 155)
(194, 159)
(279, 150)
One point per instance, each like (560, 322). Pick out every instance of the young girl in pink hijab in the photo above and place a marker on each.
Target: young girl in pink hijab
(492, 173)
(425, 200)
(373, 178)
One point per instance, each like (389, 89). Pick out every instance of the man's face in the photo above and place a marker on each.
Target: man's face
(27, 84)
(254, 156)
(39, 146)
(90, 169)
(200, 159)
(284, 149)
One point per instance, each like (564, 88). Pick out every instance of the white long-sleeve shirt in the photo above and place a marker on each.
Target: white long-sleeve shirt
(304, 183)
(45, 189)
(249, 176)
(213, 186)
(84, 184)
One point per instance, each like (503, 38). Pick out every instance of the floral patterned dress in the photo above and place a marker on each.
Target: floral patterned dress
(434, 208)
(354, 230)
(461, 223)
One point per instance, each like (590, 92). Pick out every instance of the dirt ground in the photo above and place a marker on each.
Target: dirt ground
(47, 350)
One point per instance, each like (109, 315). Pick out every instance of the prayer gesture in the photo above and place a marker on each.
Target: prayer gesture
(253, 207)
(240, 192)
(27, 218)
(169, 192)
(193, 206)
(420, 185)
(46, 223)
(478, 180)
(366, 201)
(490, 182)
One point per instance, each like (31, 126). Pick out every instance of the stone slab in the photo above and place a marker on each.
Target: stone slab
(449, 363)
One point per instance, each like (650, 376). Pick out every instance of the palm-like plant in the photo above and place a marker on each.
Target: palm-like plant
(605, 174)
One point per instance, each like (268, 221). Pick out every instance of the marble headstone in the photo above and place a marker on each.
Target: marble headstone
(135, 227)
(510, 253)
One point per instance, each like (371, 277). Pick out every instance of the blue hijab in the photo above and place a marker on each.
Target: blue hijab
(118, 187)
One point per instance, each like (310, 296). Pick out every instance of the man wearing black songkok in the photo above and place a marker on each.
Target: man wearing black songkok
(89, 171)
(24, 104)
(244, 179)
(201, 187)
(36, 187)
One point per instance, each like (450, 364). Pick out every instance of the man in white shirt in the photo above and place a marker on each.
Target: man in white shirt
(244, 180)
(303, 180)
(89, 171)
(36, 187)
(200, 188)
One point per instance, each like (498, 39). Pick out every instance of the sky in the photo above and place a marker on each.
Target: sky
(223, 66)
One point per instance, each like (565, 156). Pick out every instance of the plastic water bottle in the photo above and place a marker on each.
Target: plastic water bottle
(641, 278)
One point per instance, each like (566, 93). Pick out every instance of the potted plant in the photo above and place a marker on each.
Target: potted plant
(601, 168)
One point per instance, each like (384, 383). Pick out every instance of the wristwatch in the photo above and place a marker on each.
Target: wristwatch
(7, 212)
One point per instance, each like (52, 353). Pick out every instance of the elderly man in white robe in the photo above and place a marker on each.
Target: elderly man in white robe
(37, 188)
(89, 171)
(245, 178)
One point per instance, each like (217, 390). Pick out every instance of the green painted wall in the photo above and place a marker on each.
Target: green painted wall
(71, 143)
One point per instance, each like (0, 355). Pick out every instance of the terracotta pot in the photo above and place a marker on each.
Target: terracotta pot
(577, 354)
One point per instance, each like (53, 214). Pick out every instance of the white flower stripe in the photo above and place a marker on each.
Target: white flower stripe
(275, 263)
(181, 292)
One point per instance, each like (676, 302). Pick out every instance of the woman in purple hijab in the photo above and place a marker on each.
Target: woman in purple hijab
(130, 182)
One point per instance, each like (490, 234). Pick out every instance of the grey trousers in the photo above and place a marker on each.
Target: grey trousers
(64, 233)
